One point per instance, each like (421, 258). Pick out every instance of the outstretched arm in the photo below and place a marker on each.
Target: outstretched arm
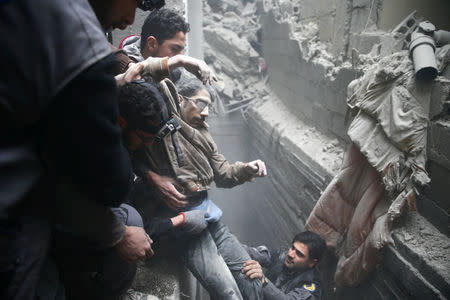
(159, 69)
(193, 65)
(256, 168)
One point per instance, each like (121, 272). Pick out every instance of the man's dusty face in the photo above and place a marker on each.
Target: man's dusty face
(195, 109)
(298, 258)
(120, 14)
(170, 47)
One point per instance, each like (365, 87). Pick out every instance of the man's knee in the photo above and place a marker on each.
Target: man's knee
(251, 289)
(128, 215)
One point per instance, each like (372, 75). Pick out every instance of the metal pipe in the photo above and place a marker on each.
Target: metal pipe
(422, 48)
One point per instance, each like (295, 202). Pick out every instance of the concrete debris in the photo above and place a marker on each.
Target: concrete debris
(236, 49)
(427, 245)
(307, 138)
(224, 6)
(232, 45)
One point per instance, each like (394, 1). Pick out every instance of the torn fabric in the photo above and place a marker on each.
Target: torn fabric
(383, 168)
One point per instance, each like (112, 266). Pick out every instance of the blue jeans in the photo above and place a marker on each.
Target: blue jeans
(216, 258)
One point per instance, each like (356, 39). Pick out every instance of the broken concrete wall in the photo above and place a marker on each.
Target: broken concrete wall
(434, 202)
(313, 50)
(307, 83)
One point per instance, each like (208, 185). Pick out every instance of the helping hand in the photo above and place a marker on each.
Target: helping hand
(167, 186)
(252, 269)
(135, 245)
(195, 66)
(133, 73)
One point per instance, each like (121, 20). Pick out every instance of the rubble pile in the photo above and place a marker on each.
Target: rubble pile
(233, 48)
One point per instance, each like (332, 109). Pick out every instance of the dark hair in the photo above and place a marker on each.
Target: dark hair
(163, 24)
(316, 245)
(188, 85)
(140, 106)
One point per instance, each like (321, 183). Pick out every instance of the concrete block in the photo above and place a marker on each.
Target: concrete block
(302, 66)
(291, 81)
(337, 125)
(361, 3)
(273, 29)
(317, 72)
(301, 86)
(417, 286)
(274, 47)
(439, 186)
(285, 47)
(320, 116)
(231, 45)
(364, 42)
(390, 44)
(283, 62)
(360, 15)
(343, 78)
(334, 100)
(434, 214)
(424, 247)
(438, 145)
(440, 97)
(314, 91)
(293, 48)
(303, 106)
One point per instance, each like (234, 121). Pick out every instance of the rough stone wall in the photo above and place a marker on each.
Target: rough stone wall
(434, 202)
(308, 84)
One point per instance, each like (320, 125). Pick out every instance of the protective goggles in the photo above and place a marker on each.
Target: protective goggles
(199, 102)
(150, 4)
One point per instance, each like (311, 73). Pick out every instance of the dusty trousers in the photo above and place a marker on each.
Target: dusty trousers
(216, 258)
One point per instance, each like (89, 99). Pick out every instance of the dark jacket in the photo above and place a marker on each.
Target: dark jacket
(284, 283)
(58, 118)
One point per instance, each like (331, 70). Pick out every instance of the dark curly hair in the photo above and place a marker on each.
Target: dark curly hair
(163, 24)
(140, 105)
(316, 245)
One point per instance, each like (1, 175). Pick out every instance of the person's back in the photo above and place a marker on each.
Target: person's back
(52, 68)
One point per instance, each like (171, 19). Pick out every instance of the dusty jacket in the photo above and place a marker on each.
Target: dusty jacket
(202, 161)
(284, 283)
